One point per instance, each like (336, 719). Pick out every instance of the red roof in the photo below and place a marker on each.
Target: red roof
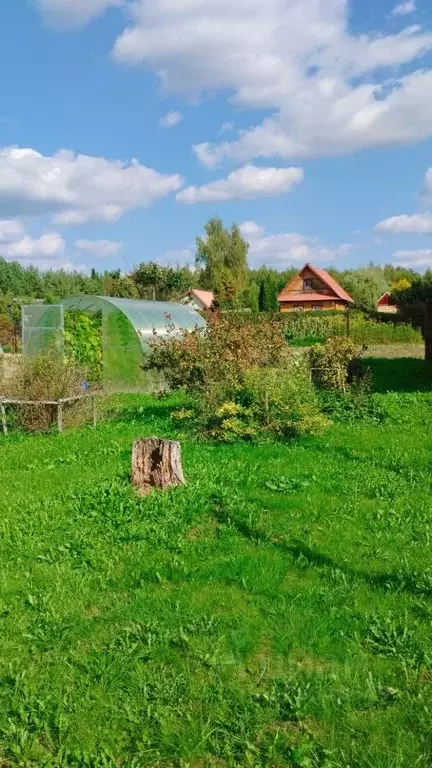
(385, 300)
(287, 294)
(300, 296)
(205, 297)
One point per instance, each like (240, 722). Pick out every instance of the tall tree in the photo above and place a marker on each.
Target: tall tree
(222, 256)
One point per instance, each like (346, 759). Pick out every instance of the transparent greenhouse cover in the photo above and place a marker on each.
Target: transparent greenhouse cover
(146, 317)
(127, 326)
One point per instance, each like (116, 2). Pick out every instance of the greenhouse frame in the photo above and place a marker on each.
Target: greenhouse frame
(127, 327)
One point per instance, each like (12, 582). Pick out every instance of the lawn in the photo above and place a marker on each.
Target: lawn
(276, 611)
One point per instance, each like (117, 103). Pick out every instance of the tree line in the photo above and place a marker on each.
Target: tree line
(221, 266)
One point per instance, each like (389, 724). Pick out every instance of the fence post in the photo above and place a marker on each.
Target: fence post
(348, 331)
(94, 411)
(60, 416)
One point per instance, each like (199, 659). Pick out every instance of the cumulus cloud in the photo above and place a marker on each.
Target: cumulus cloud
(247, 183)
(404, 9)
(76, 189)
(329, 91)
(48, 246)
(73, 13)
(287, 249)
(170, 119)
(419, 259)
(101, 248)
(10, 229)
(417, 224)
(412, 224)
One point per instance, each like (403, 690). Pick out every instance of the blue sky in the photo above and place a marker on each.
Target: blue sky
(126, 124)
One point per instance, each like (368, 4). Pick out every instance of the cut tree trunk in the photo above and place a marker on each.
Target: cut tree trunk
(156, 464)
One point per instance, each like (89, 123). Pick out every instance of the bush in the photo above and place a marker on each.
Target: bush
(219, 355)
(49, 376)
(335, 364)
(283, 401)
(243, 378)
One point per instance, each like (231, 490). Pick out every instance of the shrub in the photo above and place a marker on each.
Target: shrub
(49, 376)
(335, 364)
(219, 354)
(283, 401)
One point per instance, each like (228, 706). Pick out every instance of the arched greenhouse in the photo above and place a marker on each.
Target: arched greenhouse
(126, 325)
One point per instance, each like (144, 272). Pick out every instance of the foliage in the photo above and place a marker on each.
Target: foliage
(275, 611)
(219, 354)
(83, 341)
(365, 285)
(232, 422)
(301, 327)
(282, 401)
(7, 332)
(335, 364)
(48, 376)
(267, 300)
(162, 283)
(222, 256)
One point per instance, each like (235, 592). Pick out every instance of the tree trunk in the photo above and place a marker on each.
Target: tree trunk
(156, 464)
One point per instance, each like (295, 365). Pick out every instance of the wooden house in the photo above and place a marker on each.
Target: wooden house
(313, 289)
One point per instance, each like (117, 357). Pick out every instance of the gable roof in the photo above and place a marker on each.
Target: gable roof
(288, 292)
(205, 297)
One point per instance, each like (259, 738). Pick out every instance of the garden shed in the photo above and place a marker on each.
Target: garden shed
(126, 326)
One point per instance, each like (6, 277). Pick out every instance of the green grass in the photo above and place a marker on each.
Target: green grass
(276, 611)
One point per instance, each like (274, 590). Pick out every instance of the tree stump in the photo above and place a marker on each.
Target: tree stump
(156, 464)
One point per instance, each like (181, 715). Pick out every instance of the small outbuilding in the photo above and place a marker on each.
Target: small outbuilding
(386, 304)
(199, 300)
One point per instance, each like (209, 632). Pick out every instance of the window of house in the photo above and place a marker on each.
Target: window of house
(297, 309)
(307, 285)
(317, 308)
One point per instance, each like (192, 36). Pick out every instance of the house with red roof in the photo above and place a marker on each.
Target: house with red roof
(313, 289)
(199, 300)
(386, 304)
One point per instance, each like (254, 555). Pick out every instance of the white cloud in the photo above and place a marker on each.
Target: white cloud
(73, 13)
(247, 183)
(102, 248)
(414, 259)
(48, 246)
(76, 189)
(418, 224)
(404, 8)
(170, 119)
(266, 56)
(288, 249)
(226, 127)
(10, 229)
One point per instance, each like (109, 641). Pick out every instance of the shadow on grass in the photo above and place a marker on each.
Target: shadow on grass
(403, 374)
(398, 581)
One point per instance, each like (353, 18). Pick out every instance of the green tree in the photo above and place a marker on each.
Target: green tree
(267, 299)
(222, 257)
